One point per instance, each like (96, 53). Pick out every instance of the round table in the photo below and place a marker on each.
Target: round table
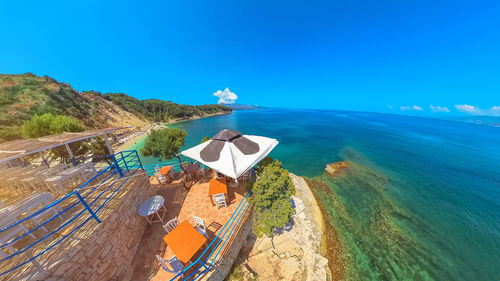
(151, 207)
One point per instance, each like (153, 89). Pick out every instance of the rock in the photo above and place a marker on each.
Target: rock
(265, 244)
(336, 167)
(294, 253)
(291, 268)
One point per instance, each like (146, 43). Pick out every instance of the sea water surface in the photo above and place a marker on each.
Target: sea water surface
(421, 200)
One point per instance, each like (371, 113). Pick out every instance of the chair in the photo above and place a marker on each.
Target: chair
(174, 262)
(220, 200)
(6, 219)
(89, 170)
(159, 176)
(201, 170)
(171, 224)
(199, 225)
(245, 176)
(38, 202)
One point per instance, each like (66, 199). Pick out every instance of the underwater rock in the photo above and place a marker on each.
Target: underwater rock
(336, 167)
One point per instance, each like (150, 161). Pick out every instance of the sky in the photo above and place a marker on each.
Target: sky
(408, 57)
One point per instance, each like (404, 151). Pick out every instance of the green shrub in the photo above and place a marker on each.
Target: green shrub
(164, 143)
(271, 196)
(48, 124)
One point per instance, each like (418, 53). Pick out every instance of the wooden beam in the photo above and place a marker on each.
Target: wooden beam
(44, 161)
(70, 154)
(108, 144)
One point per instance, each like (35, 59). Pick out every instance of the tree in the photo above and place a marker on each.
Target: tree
(204, 139)
(98, 147)
(48, 124)
(271, 196)
(164, 143)
(263, 163)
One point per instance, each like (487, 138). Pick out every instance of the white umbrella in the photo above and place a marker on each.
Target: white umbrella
(231, 153)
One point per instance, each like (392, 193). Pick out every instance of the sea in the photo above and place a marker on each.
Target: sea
(419, 201)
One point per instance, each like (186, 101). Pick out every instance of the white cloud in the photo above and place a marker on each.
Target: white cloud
(226, 96)
(407, 107)
(474, 110)
(389, 106)
(495, 110)
(466, 108)
(438, 108)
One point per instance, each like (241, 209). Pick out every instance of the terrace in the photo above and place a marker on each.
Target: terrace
(87, 226)
(91, 226)
(221, 223)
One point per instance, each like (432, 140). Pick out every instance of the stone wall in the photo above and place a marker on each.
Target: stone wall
(107, 252)
(223, 266)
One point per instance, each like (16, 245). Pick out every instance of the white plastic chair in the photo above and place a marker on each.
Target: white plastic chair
(159, 176)
(6, 219)
(89, 170)
(38, 202)
(174, 262)
(171, 224)
(246, 176)
(199, 225)
(220, 200)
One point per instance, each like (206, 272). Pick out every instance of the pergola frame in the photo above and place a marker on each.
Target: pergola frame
(19, 148)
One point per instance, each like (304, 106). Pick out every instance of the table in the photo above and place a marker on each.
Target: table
(68, 173)
(152, 206)
(165, 170)
(76, 169)
(217, 186)
(193, 169)
(184, 241)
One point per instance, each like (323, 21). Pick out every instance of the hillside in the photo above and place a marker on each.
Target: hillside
(238, 106)
(24, 95)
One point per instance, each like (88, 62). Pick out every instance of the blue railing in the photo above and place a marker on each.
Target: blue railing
(209, 256)
(122, 166)
(150, 168)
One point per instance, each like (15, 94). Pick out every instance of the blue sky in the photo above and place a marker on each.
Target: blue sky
(354, 55)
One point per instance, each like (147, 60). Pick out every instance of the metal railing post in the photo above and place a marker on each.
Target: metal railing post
(124, 161)
(87, 207)
(139, 158)
(117, 166)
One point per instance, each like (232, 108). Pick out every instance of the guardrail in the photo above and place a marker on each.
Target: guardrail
(123, 165)
(207, 259)
(150, 168)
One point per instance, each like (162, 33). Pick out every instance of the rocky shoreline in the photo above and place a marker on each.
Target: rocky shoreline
(295, 253)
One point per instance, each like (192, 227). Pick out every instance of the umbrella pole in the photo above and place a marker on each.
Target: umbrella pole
(234, 184)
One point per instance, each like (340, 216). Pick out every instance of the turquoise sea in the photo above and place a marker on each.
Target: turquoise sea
(421, 200)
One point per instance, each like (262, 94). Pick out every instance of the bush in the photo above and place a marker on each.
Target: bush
(48, 124)
(271, 196)
(164, 143)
